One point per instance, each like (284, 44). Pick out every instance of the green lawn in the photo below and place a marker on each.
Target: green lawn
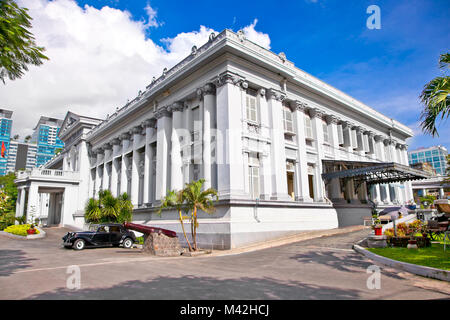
(434, 256)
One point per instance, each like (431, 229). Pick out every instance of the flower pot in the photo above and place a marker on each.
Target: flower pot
(412, 244)
(378, 231)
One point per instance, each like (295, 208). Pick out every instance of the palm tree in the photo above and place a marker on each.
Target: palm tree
(125, 208)
(436, 98)
(198, 199)
(175, 199)
(108, 208)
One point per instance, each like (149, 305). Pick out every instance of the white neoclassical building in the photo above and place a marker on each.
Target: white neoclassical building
(286, 151)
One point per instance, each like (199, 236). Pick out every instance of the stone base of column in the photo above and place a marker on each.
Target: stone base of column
(338, 200)
(281, 197)
(303, 199)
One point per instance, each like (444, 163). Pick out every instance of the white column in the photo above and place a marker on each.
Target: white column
(176, 160)
(336, 191)
(265, 163)
(21, 205)
(107, 153)
(209, 106)
(278, 151)
(125, 137)
(230, 170)
(135, 167)
(115, 168)
(301, 179)
(316, 116)
(332, 121)
(149, 131)
(33, 200)
(164, 129)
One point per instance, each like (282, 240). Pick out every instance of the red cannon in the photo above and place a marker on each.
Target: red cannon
(147, 229)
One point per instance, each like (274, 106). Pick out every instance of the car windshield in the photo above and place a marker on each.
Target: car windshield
(93, 227)
(103, 229)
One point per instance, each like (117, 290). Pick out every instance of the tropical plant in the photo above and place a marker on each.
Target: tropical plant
(197, 199)
(175, 199)
(20, 230)
(108, 208)
(9, 189)
(27, 138)
(436, 98)
(17, 46)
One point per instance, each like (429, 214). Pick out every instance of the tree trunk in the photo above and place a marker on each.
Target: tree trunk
(195, 228)
(184, 232)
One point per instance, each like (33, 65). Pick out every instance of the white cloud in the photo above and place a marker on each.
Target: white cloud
(99, 58)
(258, 37)
(152, 22)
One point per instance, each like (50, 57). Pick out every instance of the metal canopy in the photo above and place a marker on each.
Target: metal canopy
(371, 172)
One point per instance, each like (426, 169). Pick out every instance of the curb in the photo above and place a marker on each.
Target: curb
(423, 271)
(40, 235)
(308, 235)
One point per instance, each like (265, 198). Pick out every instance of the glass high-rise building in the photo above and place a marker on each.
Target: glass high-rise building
(5, 137)
(436, 156)
(45, 136)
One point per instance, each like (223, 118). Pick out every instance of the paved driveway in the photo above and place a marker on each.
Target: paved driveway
(322, 268)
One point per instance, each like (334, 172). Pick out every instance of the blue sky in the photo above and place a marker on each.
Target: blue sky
(386, 69)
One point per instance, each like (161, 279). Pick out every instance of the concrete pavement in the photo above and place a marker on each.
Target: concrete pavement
(321, 268)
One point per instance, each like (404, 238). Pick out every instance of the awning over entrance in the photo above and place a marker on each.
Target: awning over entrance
(371, 172)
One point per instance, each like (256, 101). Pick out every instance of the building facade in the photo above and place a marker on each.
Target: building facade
(21, 156)
(255, 127)
(435, 155)
(45, 136)
(5, 137)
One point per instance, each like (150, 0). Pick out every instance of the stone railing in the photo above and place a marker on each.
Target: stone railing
(48, 173)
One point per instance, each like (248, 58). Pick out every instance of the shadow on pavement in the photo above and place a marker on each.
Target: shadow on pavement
(13, 260)
(347, 263)
(190, 287)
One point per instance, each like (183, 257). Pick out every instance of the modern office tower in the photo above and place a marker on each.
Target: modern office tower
(5, 136)
(46, 137)
(435, 155)
(21, 156)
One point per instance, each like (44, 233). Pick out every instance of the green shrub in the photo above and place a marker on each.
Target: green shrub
(7, 219)
(19, 229)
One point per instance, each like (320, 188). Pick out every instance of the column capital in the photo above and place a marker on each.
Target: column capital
(149, 123)
(136, 130)
(162, 112)
(228, 77)
(330, 118)
(125, 136)
(262, 92)
(115, 141)
(176, 106)
(299, 105)
(378, 137)
(315, 113)
(107, 146)
(347, 124)
(276, 94)
(209, 89)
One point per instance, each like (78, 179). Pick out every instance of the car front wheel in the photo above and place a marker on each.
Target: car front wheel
(127, 243)
(79, 244)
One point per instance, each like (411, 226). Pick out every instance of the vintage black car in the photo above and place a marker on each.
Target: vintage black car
(101, 235)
